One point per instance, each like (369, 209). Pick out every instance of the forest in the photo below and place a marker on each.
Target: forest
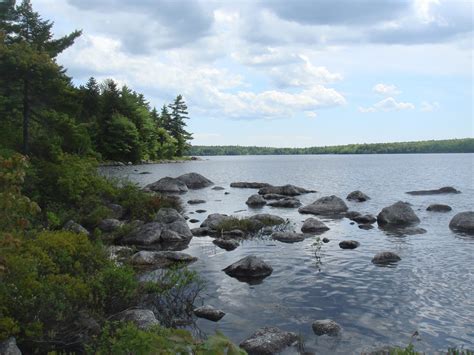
(465, 145)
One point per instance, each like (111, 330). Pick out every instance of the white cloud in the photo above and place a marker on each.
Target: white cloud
(386, 105)
(386, 89)
(429, 106)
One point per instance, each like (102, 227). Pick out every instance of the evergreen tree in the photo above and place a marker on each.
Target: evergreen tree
(164, 120)
(27, 52)
(179, 113)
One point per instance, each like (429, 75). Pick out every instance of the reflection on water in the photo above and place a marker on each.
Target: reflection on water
(429, 290)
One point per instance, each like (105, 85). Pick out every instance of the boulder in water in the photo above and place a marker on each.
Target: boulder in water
(357, 196)
(440, 191)
(256, 201)
(158, 259)
(195, 181)
(385, 257)
(249, 185)
(436, 207)
(286, 190)
(168, 185)
(288, 237)
(326, 327)
(398, 214)
(288, 202)
(328, 205)
(463, 222)
(314, 226)
(226, 244)
(249, 268)
(349, 244)
(268, 341)
(209, 312)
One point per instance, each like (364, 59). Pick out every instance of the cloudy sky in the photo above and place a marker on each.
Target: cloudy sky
(285, 73)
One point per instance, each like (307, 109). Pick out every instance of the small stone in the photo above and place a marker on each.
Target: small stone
(325, 240)
(226, 244)
(196, 202)
(218, 188)
(209, 313)
(201, 211)
(326, 327)
(268, 341)
(349, 244)
(386, 257)
(357, 196)
(193, 220)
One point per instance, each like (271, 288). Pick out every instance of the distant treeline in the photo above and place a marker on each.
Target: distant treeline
(465, 145)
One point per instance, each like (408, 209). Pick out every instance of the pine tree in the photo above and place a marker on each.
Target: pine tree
(179, 113)
(164, 120)
(27, 63)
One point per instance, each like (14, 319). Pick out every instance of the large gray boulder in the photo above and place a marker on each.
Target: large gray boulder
(268, 341)
(168, 185)
(74, 227)
(195, 181)
(326, 327)
(440, 191)
(286, 190)
(147, 258)
(385, 257)
(248, 268)
(249, 185)
(399, 214)
(9, 347)
(209, 312)
(313, 226)
(256, 201)
(142, 318)
(289, 202)
(288, 237)
(463, 222)
(328, 205)
(357, 196)
(145, 235)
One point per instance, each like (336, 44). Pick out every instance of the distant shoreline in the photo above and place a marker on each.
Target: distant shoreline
(461, 145)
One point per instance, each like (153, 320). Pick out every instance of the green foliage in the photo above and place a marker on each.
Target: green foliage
(465, 145)
(122, 141)
(244, 224)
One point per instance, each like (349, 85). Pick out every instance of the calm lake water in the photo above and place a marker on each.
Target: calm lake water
(430, 290)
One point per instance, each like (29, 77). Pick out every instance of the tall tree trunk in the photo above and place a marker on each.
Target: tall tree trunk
(26, 114)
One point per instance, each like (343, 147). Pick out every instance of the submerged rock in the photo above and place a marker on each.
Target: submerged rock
(142, 318)
(463, 222)
(268, 341)
(286, 190)
(398, 214)
(273, 196)
(442, 190)
(226, 244)
(286, 203)
(358, 196)
(74, 227)
(385, 257)
(313, 225)
(146, 258)
(248, 268)
(201, 211)
(288, 237)
(349, 244)
(196, 202)
(209, 312)
(194, 181)
(328, 205)
(439, 208)
(365, 219)
(168, 185)
(256, 201)
(218, 188)
(249, 185)
(193, 220)
(326, 327)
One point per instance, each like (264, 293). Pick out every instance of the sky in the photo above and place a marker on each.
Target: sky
(284, 73)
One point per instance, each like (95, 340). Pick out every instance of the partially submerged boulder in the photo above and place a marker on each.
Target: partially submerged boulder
(365, 219)
(159, 259)
(168, 185)
(326, 327)
(349, 244)
(328, 205)
(440, 191)
(436, 207)
(249, 185)
(268, 341)
(385, 257)
(249, 268)
(357, 196)
(397, 215)
(200, 232)
(209, 312)
(195, 181)
(286, 190)
(273, 196)
(196, 202)
(256, 201)
(226, 244)
(289, 202)
(142, 318)
(218, 188)
(314, 226)
(288, 237)
(463, 222)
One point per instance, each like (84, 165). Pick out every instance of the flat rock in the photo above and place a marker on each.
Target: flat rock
(385, 257)
(313, 225)
(249, 185)
(218, 188)
(365, 219)
(196, 202)
(209, 312)
(286, 190)
(268, 341)
(201, 211)
(326, 327)
(147, 258)
(288, 237)
(109, 225)
(168, 185)
(357, 196)
(463, 222)
(273, 196)
(226, 244)
(349, 244)
(286, 203)
(440, 191)
(268, 219)
(398, 214)
(74, 227)
(142, 318)
(194, 181)
(256, 201)
(9, 347)
(436, 207)
(328, 205)
(250, 267)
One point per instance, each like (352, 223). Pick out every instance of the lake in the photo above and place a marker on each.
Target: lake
(430, 290)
